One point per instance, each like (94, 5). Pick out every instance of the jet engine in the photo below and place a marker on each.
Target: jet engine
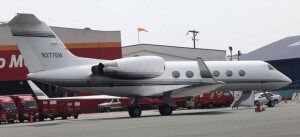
(131, 68)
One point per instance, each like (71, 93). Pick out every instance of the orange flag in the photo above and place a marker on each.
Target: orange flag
(142, 29)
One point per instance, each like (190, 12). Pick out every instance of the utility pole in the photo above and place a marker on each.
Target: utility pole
(194, 36)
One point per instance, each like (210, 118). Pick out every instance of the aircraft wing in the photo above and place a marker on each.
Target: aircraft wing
(208, 84)
(196, 89)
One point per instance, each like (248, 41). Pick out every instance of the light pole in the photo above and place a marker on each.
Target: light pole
(239, 54)
(230, 48)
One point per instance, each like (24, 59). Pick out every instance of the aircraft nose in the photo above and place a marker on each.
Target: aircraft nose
(286, 79)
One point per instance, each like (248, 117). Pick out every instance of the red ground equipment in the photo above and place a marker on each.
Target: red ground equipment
(8, 110)
(47, 109)
(68, 108)
(213, 99)
(153, 103)
(26, 106)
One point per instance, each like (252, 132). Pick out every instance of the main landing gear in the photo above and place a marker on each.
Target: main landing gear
(167, 109)
(135, 110)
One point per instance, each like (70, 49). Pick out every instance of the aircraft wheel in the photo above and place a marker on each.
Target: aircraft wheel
(165, 110)
(134, 111)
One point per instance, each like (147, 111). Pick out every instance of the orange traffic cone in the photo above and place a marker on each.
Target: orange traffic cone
(285, 100)
(257, 109)
(30, 119)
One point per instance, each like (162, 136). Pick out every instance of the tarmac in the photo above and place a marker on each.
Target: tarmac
(281, 121)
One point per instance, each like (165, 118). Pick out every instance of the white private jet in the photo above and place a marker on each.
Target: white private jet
(49, 61)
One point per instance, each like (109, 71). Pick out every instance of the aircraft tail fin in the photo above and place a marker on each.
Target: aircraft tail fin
(40, 95)
(39, 46)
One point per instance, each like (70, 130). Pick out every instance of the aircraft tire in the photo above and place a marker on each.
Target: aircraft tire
(165, 110)
(134, 111)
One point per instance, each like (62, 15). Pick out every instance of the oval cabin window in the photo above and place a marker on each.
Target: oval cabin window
(229, 73)
(175, 74)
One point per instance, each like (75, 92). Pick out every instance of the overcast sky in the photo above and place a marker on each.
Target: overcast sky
(243, 24)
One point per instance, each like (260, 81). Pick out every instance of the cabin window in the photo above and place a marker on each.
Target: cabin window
(229, 73)
(175, 74)
(189, 74)
(242, 73)
(216, 73)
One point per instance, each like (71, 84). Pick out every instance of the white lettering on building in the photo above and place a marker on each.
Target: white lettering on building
(16, 62)
(2, 63)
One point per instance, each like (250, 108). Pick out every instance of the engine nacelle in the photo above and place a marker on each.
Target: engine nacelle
(131, 68)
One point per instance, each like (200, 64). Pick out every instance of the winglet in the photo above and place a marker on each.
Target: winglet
(205, 72)
(37, 91)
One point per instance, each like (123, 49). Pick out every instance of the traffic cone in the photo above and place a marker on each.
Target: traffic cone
(285, 100)
(257, 109)
(30, 119)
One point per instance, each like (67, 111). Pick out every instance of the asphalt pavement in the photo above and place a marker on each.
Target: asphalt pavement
(280, 121)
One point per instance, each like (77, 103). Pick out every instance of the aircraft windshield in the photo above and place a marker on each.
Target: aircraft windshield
(8, 106)
(30, 105)
(271, 67)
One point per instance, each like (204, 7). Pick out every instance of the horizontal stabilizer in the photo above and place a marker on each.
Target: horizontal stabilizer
(40, 95)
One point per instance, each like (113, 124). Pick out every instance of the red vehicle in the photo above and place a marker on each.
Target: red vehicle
(213, 99)
(8, 110)
(68, 108)
(47, 109)
(26, 106)
(153, 103)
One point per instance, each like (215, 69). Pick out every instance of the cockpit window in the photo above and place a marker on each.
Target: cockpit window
(271, 67)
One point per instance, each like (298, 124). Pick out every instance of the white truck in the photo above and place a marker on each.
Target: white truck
(263, 100)
(113, 104)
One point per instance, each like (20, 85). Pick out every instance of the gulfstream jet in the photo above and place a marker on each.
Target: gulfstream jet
(49, 61)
